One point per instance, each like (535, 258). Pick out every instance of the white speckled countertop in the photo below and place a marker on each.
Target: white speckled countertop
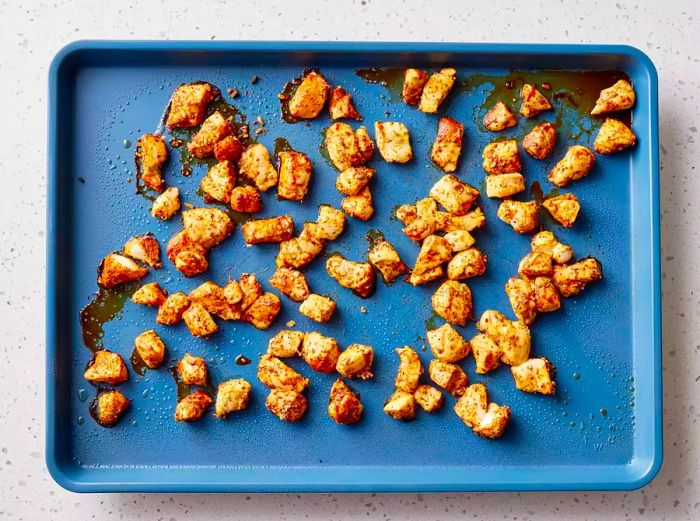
(31, 35)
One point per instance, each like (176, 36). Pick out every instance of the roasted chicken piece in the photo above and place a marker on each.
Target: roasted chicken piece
(117, 269)
(192, 370)
(453, 302)
(359, 206)
(447, 344)
(540, 141)
(533, 101)
(299, 251)
(447, 222)
(150, 294)
(109, 407)
(485, 418)
(206, 227)
(275, 374)
(536, 264)
(501, 157)
(170, 312)
(401, 406)
(218, 184)
(618, 97)
(459, 240)
(214, 129)
(456, 197)
(341, 106)
(429, 398)
(251, 290)
(347, 147)
(166, 204)
(330, 223)
(572, 279)
(564, 208)
(504, 185)
(231, 396)
(245, 199)
(310, 96)
(228, 149)
(434, 251)
(436, 90)
(356, 362)
(318, 308)
(575, 164)
(546, 295)
(106, 367)
(467, 264)
(385, 259)
(534, 376)
(352, 180)
(521, 294)
(193, 406)
(344, 405)
(320, 352)
(213, 298)
(448, 144)
(294, 176)
(499, 118)
(487, 353)
(410, 369)
(546, 242)
(144, 248)
(285, 344)
(357, 276)
(274, 229)
(522, 216)
(420, 220)
(151, 348)
(263, 311)
(199, 321)
(393, 141)
(188, 104)
(291, 283)
(614, 136)
(289, 406)
(413, 83)
(151, 155)
(512, 337)
(450, 377)
(255, 164)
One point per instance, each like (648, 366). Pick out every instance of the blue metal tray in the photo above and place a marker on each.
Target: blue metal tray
(601, 431)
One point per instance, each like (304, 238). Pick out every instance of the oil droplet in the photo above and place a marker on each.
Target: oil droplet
(104, 307)
(82, 395)
(242, 360)
(134, 423)
(604, 412)
(80, 420)
(145, 393)
(126, 143)
(577, 376)
(573, 424)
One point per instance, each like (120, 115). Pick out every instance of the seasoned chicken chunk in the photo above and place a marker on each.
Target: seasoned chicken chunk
(170, 312)
(533, 101)
(613, 136)
(330, 223)
(546, 295)
(504, 185)
(357, 276)
(206, 227)
(274, 229)
(359, 206)
(214, 129)
(447, 344)
(245, 199)
(419, 219)
(228, 149)
(192, 370)
(386, 260)
(448, 222)
(448, 144)
(410, 369)
(285, 344)
(540, 141)
(545, 241)
(275, 374)
(213, 298)
(289, 406)
(150, 294)
(487, 354)
(318, 308)
(450, 377)
(231, 396)
(344, 405)
(299, 251)
(575, 164)
(356, 362)
(512, 337)
(347, 147)
(166, 204)
(456, 197)
(233, 292)
(218, 184)
(434, 251)
(459, 240)
(151, 155)
(467, 264)
(251, 290)
(263, 311)
(144, 248)
(393, 141)
(522, 299)
(564, 208)
(187, 256)
(193, 406)
(294, 177)
(188, 104)
(429, 398)
(117, 269)
(199, 321)
(106, 367)
(320, 352)
(522, 216)
(401, 406)
(536, 264)
(501, 157)
(291, 283)
(453, 302)
(255, 164)
(436, 90)
(352, 180)
(618, 97)
(413, 83)
(151, 348)
(310, 97)
(499, 118)
(109, 407)
(341, 106)
(486, 419)
(534, 376)
(572, 279)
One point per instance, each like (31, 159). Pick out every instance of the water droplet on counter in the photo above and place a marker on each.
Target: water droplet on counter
(577, 376)
(134, 423)
(80, 420)
(126, 143)
(604, 412)
(82, 395)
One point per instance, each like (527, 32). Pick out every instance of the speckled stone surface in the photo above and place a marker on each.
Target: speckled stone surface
(30, 34)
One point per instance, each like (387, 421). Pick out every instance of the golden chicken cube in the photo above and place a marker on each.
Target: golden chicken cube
(341, 106)
(436, 90)
(413, 83)
(453, 302)
(522, 299)
(214, 129)
(188, 104)
(467, 264)
(294, 175)
(522, 216)
(318, 308)
(488, 420)
(285, 344)
(150, 294)
(274, 229)
(429, 398)
(206, 227)
(144, 248)
(166, 204)
(263, 311)
(299, 251)
(344, 405)
(393, 141)
(192, 370)
(545, 241)
(193, 406)
(620, 96)
(540, 141)
(352, 180)
(291, 283)
(251, 290)
(499, 118)
(359, 206)
(504, 185)
(536, 264)
(117, 269)
(245, 199)
(614, 136)
(228, 149)
(356, 362)
(289, 406)
(214, 299)
(501, 157)
(447, 344)
(564, 208)
(385, 259)
(447, 222)
(494, 421)
(533, 101)
(231, 396)
(109, 407)
(450, 377)
(233, 292)
(151, 155)
(275, 374)
(448, 144)
(546, 295)
(170, 312)
(534, 376)
(512, 337)
(572, 279)
(401, 406)
(434, 251)
(151, 348)
(255, 164)
(330, 223)
(106, 367)
(218, 184)
(487, 354)
(419, 219)
(347, 147)
(575, 164)
(310, 96)
(456, 197)
(188, 257)
(320, 352)
(199, 321)
(459, 240)
(410, 369)
(357, 276)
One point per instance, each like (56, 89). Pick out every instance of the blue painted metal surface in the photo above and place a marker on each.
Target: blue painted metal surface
(605, 342)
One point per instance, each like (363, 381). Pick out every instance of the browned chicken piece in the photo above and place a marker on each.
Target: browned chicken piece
(151, 348)
(540, 141)
(570, 280)
(344, 405)
(218, 184)
(504, 185)
(318, 308)
(170, 312)
(459, 240)
(447, 344)
(150, 294)
(436, 90)
(251, 290)
(330, 223)
(187, 256)
(199, 321)
(434, 251)
(193, 406)
(166, 204)
(341, 106)
(275, 374)
(419, 219)
(429, 398)
(144, 248)
(263, 311)
(214, 129)
(499, 118)
(456, 197)
(347, 147)
(512, 337)
(294, 177)
(206, 227)
(564, 208)
(618, 97)
(299, 251)
(354, 179)
(448, 144)
(151, 155)
(450, 377)
(522, 299)
(522, 216)
(393, 141)
(192, 370)
(386, 260)
(233, 292)
(320, 352)
(356, 362)
(447, 222)
(575, 164)
(357, 276)
(546, 295)
(228, 149)
(117, 269)
(534, 376)
(487, 354)
(213, 298)
(614, 136)
(310, 97)
(359, 206)
(410, 370)
(109, 407)
(285, 344)
(486, 419)
(413, 83)
(453, 302)
(274, 229)
(291, 283)
(245, 199)
(188, 104)
(467, 264)
(106, 367)
(231, 396)
(401, 406)
(536, 264)
(255, 164)
(545, 241)
(289, 406)
(501, 157)
(533, 101)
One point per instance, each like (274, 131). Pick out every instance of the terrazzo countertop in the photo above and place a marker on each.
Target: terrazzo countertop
(30, 37)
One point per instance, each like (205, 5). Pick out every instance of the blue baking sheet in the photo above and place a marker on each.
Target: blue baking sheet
(601, 431)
